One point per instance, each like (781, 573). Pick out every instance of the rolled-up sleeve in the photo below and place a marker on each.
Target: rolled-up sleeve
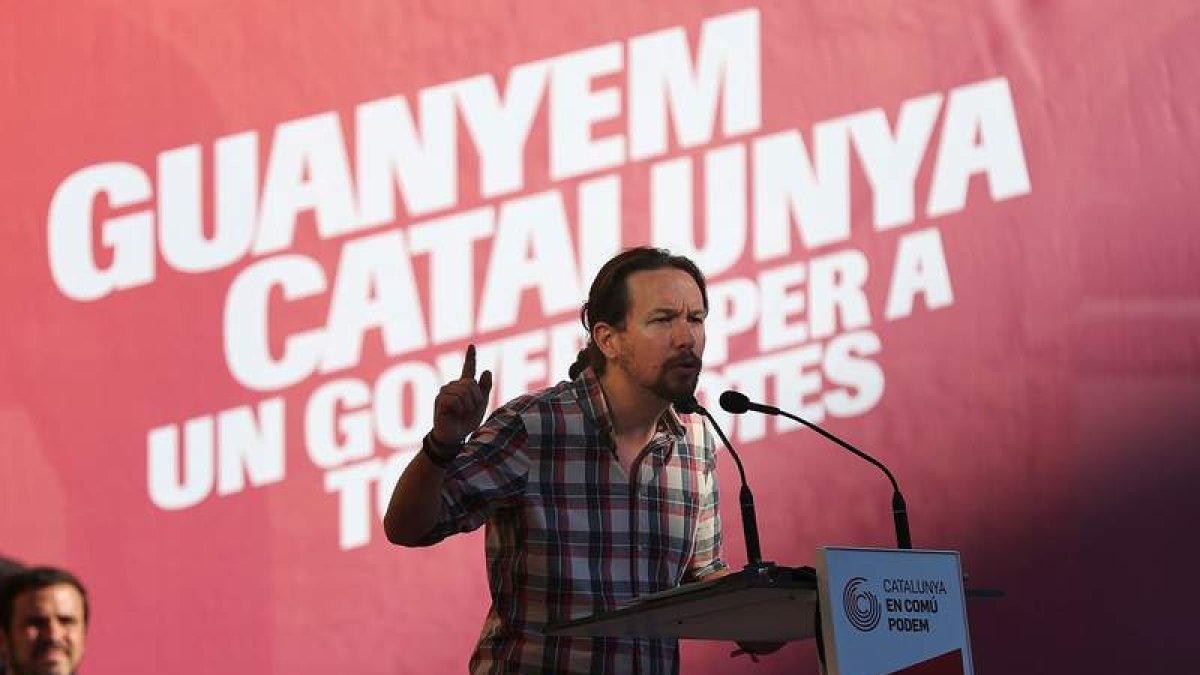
(490, 473)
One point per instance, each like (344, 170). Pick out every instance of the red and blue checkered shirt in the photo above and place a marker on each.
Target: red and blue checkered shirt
(570, 535)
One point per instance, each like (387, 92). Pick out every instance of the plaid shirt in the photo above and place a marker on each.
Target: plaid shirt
(570, 535)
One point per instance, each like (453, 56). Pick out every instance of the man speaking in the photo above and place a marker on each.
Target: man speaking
(594, 491)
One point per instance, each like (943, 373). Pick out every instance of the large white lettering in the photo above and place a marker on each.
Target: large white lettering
(130, 237)
(661, 78)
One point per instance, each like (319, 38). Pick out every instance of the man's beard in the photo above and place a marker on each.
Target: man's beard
(670, 387)
(19, 669)
(28, 667)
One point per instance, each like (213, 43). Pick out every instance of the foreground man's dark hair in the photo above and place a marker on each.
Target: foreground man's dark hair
(608, 298)
(32, 579)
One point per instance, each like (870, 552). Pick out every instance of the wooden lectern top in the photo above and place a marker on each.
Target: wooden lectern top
(766, 603)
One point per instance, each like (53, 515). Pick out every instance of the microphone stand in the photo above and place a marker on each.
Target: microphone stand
(754, 561)
(737, 403)
(899, 508)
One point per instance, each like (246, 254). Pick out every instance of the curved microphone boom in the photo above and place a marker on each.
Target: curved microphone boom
(737, 403)
(754, 559)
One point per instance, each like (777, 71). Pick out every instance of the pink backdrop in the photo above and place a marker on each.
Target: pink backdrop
(958, 233)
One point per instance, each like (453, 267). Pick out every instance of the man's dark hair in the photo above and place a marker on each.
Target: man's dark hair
(32, 579)
(8, 567)
(608, 299)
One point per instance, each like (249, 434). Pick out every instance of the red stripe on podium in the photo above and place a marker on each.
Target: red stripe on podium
(950, 663)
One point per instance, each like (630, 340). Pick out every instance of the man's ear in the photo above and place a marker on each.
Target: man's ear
(607, 339)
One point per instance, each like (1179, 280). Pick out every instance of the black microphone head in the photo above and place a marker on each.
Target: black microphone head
(686, 404)
(734, 402)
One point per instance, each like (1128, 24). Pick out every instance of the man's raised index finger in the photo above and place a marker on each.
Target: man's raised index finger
(468, 370)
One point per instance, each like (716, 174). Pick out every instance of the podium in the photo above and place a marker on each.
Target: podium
(765, 603)
(885, 611)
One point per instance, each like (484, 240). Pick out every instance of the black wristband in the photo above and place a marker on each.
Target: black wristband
(429, 443)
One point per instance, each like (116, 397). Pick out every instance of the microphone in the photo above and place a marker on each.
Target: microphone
(689, 404)
(737, 403)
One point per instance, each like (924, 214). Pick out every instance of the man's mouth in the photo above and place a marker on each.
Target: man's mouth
(50, 652)
(685, 363)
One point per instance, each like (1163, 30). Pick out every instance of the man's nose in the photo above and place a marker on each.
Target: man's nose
(684, 333)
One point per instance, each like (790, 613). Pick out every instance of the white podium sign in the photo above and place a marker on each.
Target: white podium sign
(892, 611)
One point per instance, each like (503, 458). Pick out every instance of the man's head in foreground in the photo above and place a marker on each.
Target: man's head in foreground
(43, 622)
(645, 317)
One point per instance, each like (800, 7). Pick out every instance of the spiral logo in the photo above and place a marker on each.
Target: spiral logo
(862, 607)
